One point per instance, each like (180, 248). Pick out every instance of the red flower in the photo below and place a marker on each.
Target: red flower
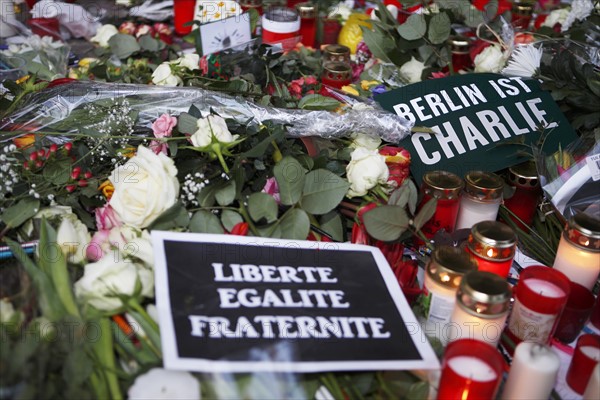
(360, 235)
(127, 28)
(398, 162)
(295, 89)
(310, 80)
(503, 5)
(438, 75)
(240, 229)
(406, 275)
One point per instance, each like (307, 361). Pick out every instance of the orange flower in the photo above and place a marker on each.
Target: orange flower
(128, 152)
(107, 189)
(25, 141)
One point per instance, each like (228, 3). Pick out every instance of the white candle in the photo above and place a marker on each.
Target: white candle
(579, 265)
(472, 211)
(545, 288)
(591, 351)
(464, 325)
(592, 391)
(532, 373)
(472, 368)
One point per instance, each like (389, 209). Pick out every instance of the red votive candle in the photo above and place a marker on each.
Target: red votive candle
(540, 297)
(446, 188)
(336, 75)
(576, 313)
(280, 26)
(522, 14)
(470, 370)
(331, 31)
(183, 12)
(527, 193)
(460, 47)
(493, 245)
(585, 358)
(308, 23)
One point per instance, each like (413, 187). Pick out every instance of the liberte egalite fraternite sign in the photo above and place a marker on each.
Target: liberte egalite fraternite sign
(477, 118)
(224, 299)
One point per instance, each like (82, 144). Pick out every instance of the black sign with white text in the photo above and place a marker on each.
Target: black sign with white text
(336, 306)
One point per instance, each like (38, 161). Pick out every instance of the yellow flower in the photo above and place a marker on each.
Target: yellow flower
(366, 85)
(351, 33)
(25, 141)
(350, 90)
(107, 189)
(85, 62)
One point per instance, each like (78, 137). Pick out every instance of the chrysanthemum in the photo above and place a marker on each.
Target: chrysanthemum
(524, 61)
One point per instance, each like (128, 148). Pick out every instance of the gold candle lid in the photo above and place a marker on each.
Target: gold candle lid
(583, 230)
(524, 175)
(442, 185)
(484, 294)
(307, 10)
(483, 185)
(336, 50)
(493, 240)
(459, 44)
(523, 8)
(448, 265)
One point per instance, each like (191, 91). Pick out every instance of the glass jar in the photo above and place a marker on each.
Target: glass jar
(493, 244)
(480, 199)
(308, 23)
(336, 74)
(281, 26)
(527, 193)
(460, 47)
(578, 254)
(446, 188)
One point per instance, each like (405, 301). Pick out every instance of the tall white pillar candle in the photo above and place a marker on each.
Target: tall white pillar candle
(532, 373)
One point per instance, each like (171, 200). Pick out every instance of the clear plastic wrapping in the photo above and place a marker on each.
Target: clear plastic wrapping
(46, 109)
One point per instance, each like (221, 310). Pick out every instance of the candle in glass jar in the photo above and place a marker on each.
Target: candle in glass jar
(336, 75)
(578, 254)
(446, 188)
(280, 26)
(480, 199)
(460, 47)
(308, 22)
(532, 362)
(585, 359)
(527, 193)
(540, 297)
(336, 53)
(481, 309)
(470, 370)
(442, 277)
(493, 245)
(522, 14)
(183, 12)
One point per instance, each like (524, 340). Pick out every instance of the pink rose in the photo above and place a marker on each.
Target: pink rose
(106, 218)
(96, 249)
(127, 28)
(272, 188)
(144, 30)
(295, 89)
(299, 81)
(162, 28)
(162, 127)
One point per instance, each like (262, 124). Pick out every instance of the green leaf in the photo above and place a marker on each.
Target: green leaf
(15, 215)
(413, 196)
(272, 231)
(439, 28)
(175, 217)
(386, 223)
(425, 213)
(205, 222)
(318, 102)
(323, 191)
(147, 42)
(58, 172)
(295, 225)
(379, 43)
(290, 178)
(78, 366)
(187, 123)
(123, 46)
(414, 28)
(226, 194)
(262, 206)
(332, 224)
(263, 145)
(399, 196)
(230, 218)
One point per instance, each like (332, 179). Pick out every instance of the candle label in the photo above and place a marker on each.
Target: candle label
(437, 308)
(529, 325)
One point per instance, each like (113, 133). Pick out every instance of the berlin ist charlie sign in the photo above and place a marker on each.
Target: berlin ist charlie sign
(224, 299)
(474, 117)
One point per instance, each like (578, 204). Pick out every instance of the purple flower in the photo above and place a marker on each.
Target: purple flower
(379, 89)
(272, 188)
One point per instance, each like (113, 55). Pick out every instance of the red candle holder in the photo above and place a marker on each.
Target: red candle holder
(576, 313)
(308, 23)
(471, 370)
(280, 26)
(540, 297)
(493, 245)
(336, 75)
(446, 188)
(522, 14)
(527, 193)
(460, 47)
(585, 358)
(183, 12)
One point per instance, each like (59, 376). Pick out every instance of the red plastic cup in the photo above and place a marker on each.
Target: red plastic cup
(585, 358)
(183, 11)
(576, 313)
(45, 27)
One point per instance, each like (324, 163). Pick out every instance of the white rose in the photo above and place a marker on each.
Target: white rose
(103, 34)
(145, 187)
(7, 311)
(103, 281)
(189, 61)
(213, 125)
(161, 383)
(73, 238)
(138, 244)
(163, 76)
(412, 70)
(366, 141)
(491, 59)
(366, 169)
(556, 17)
